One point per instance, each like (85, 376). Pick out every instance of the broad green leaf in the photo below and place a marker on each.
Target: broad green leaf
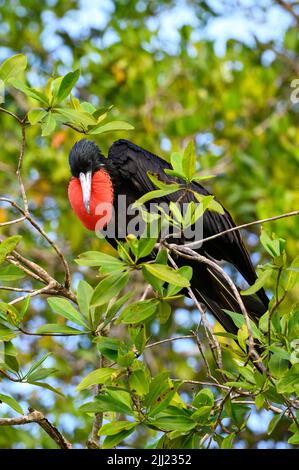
(203, 397)
(9, 313)
(114, 428)
(65, 308)
(84, 295)
(53, 328)
(294, 439)
(164, 311)
(274, 246)
(10, 356)
(174, 423)
(289, 383)
(11, 402)
(67, 84)
(47, 387)
(139, 311)
(189, 160)
(10, 273)
(6, 334)
(156, 194)
(227, 442)
(36, 115)
(111, 126)
(98, 376)
(30, 92)
(273, 423)
(41, 374)
(116, 306)
(76, 116)
(112, 441)
(12, 67)
(138, 382)
(48, 124)
(107, 263)
(37, 364)
(109, 287)
(114, 401)
(259, 283)
(167, 274)
(199, 179)
(186, 272)
(239, 320)
(177, 164)
(8, 245)
(161, 184)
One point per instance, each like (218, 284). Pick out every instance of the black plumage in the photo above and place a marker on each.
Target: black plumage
(128, 166)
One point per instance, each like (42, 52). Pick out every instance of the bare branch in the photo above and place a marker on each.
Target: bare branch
(35, 416)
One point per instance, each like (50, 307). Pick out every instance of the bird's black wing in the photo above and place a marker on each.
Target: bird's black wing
(131, 164)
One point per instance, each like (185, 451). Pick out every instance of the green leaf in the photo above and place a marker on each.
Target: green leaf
(10, 356)
(274, 246)
(13, 67)
(204, 397)
(47, 387)
(273, 423)
(186, 272)
(108, 288)
(37, 364)
(227, 442)
(112, 441)
(164, 311)
(138, 312)
(161, 184)
(156, 194)
(8, 245)
(259, 283)
(294, 439)
(108, 347)
(11, 273)
(53, 328)
(84, 295)
(67, 84)
(30, 92)
(10, 313)
(11, 402)
(111, 429)
(111, 126)
(176, 160)
(189, 160)
(76, 116)
(98, 376)
(48, 124)
(179, 423)
(118, 402)
(138, 382)
(277, 365)
(116, 306)
(6, 334)
(167, 274)
(199, 179)
(65, 308)
(41, 374)
(239, 321)
(36, 115)
(289, 383)
(107, 263)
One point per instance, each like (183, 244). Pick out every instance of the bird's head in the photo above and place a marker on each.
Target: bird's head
(90, 190)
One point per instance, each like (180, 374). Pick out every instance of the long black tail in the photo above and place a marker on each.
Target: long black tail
(212, 289)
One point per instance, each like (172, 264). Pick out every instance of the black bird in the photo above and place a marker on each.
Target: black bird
(97, 180)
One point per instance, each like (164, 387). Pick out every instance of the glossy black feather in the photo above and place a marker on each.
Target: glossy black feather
(129, 165)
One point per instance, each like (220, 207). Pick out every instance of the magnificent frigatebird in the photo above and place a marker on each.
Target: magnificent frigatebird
(97, 180)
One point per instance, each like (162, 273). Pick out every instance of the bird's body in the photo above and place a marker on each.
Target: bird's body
(125, 172)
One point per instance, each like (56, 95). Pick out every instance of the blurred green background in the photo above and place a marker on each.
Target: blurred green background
(217, 72)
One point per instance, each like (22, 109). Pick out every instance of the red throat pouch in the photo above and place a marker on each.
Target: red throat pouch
(101, 200)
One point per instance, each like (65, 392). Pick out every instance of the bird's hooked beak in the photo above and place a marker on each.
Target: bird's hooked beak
(85, 181)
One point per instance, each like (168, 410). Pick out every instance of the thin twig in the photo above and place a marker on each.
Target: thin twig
(238, 227)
